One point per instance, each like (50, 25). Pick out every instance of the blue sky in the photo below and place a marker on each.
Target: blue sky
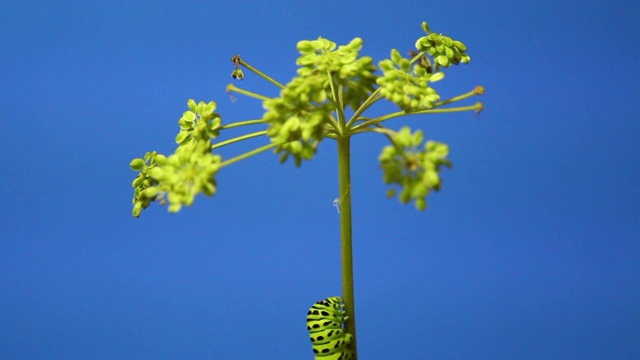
(530, 251)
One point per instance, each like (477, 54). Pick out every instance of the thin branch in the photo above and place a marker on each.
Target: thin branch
(248, 154)
(234, 88)
(477, 107)
(243, 123)
(239, 138)
(365, 105)
(261, 74)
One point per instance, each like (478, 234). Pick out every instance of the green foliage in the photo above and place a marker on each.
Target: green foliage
(340, 68)
(407, 85)
(199, 124)
(416, 170)
(443, 49)
(186, 173)
(298, 118)
(313, 107)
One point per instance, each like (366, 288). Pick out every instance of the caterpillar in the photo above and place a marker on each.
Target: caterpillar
(328, 339)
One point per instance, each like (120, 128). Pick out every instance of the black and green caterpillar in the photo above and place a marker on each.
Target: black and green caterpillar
(328, 338)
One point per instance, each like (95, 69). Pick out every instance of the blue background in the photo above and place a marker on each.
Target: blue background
(530, 251)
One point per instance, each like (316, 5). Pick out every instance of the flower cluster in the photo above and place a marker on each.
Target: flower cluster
(299, 117)
(183, 175)
(178, 178)
(407, 85)
(144, 185)
(444, 50)
(415, 170)
(199, 124)
(321, 58)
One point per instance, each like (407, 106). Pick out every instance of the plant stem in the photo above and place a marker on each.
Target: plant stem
(344, 169)
(364, 126)
(261, 74)
(243, 123)
(417, 57)
(239, 138)
(478, 90)
(232, 87)
(375, 96)
(337, 101)
(248, 154)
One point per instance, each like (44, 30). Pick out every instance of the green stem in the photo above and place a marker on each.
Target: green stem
(417, 57)
(243, 123)
(389, 135)
(383, 130)
(332, 128)
(232, 87)
(344, 169)
(368, 102)
(479, 90)
(337, 101)
(365, 125)
(238, 138)
(248, 154)
(261, 74)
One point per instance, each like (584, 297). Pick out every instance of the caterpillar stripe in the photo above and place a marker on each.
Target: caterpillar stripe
(324, 322)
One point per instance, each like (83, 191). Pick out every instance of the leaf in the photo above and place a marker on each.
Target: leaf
(458, 45)
(449, 52)
(182, 135)
(211, 107)
(425, 27)
(305, 46)
(192, 105)
(150, 192)
(442, 60)
(189, 115)
(137, 164)
(395, 56)
(437, 76)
